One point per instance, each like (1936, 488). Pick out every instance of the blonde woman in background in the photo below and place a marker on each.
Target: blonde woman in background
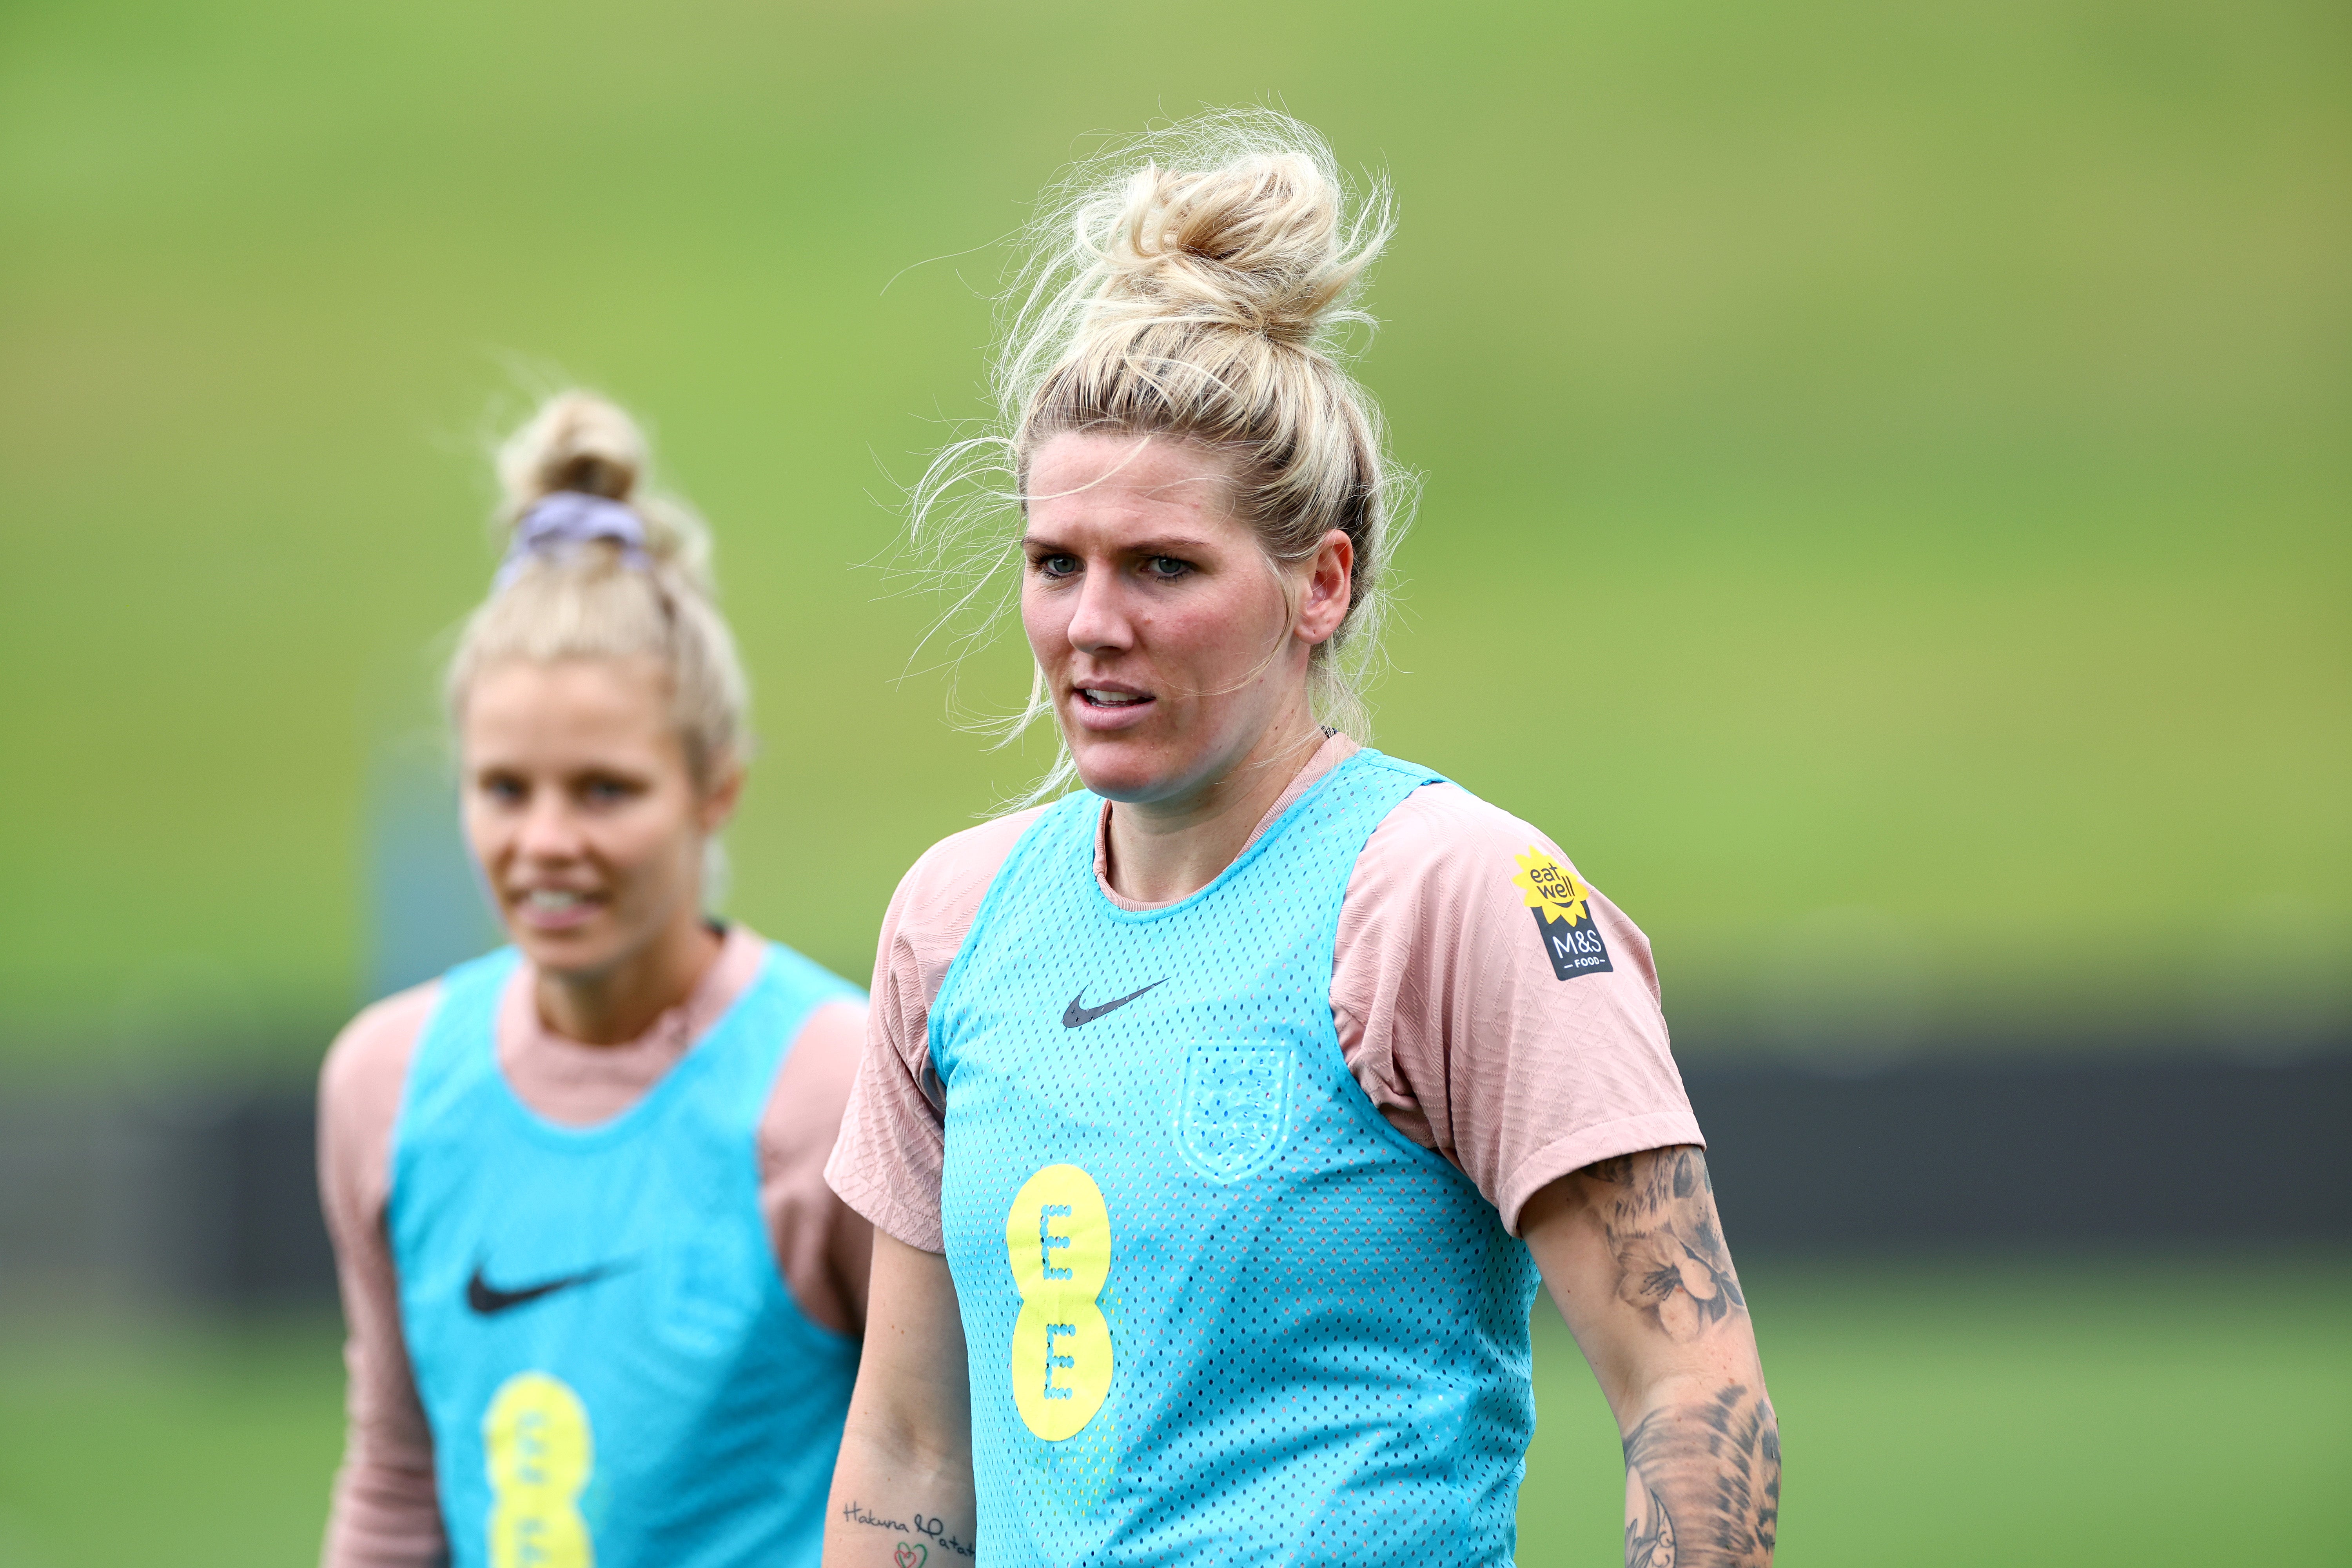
(1219, 1119)
(601, 1307)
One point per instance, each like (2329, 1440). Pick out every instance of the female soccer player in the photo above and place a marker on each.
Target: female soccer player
(1219, 1118)
(601, 1306)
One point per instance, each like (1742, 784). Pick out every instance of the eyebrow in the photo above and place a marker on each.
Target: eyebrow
(1167, 544)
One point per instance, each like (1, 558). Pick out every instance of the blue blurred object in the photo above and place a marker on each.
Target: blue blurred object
(426, 907)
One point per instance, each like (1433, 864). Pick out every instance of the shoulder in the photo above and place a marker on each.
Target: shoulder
(835, 1006)
(360, 1087)
(928, 918)
(941, 891)
(1455, 875)
(822, 1060)
(1442, 836)
(795, 969)
(368, 1063)
(812, 1087)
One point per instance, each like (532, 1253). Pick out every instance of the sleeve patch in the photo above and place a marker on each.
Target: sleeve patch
(1564, 924)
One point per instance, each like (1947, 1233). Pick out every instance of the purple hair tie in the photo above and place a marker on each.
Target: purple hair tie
(562, 522)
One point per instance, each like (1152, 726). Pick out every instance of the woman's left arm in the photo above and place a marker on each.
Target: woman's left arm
(1632, 1253)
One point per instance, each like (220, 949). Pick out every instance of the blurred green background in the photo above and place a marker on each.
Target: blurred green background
(1887, 467)
(2093, 1412)
(1886, 516)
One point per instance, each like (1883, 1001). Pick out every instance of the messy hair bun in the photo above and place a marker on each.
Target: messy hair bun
(1194, 283)
(641, 587)
(580, 443)
(1254, 244)
(576, 441)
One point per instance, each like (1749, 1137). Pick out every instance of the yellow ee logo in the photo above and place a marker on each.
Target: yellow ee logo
(1057, 1238)
(536, 1436)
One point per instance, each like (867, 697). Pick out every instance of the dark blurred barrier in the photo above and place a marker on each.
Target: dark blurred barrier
(188, 1198)
(2013, 1153)
(207, 1199)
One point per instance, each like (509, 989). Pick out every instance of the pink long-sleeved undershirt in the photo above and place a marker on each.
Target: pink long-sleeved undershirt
(385, 1512)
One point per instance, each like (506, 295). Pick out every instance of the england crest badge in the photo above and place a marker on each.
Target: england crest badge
(1236, 1110)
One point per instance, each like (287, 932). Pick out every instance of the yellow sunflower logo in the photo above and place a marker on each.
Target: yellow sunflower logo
(1551, 887)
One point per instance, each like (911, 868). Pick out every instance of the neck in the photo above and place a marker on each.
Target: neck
(618, 1003)
(1160, 851)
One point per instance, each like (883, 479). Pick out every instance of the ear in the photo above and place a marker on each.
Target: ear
(720, 801)
(1331, 585)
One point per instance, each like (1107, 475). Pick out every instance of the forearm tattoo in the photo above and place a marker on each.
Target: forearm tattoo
(1702, 1479)
(1702, 1484)
(1649, 1528)
(916, 1539)
(1658, 1212)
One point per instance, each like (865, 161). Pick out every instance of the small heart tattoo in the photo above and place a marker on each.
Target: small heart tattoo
(911, 1555)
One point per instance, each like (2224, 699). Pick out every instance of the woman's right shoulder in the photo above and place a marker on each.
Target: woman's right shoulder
(360, 1087)
(940, 893)
(368, 1063)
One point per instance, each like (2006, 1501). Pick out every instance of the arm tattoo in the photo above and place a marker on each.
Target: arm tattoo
(910, 1552)
(1658, 1212)
(1702, 1484)
(1649, 1528)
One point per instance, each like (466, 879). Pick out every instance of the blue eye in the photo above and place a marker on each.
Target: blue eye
(1057, 566)
(1167, 568)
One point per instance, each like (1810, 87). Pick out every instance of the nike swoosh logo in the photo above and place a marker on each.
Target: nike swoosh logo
(489, 1301)
(1078, 1012)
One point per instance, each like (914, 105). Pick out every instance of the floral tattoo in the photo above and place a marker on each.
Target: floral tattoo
(1658, 1213)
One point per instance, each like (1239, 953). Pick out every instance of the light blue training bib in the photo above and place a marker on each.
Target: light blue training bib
(613, 1369)
(1218, 1309)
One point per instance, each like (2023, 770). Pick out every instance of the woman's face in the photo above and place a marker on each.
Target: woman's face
(1169, 643)
(581, 810)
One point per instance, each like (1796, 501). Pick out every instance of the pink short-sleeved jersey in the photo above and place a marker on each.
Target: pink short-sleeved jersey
(1472, 1029)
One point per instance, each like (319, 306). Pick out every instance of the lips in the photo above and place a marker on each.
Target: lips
(1109, 705)
(555, 909)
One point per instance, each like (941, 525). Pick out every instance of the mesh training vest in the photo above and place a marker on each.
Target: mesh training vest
(614, 1372)
(1219, 1310)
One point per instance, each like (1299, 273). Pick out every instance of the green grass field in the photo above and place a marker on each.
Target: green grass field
(1884, 494)
(2139, 1414)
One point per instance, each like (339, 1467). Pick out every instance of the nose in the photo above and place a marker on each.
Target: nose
(548, 831)
(1099, 621)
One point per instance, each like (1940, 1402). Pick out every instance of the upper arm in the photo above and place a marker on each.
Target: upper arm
(892, 1150)
(888, 1160)
(1632, 1252)
(850, 1256)
(822, 1246)
(384, 1507)
(360, 1087)
(1517, 1059)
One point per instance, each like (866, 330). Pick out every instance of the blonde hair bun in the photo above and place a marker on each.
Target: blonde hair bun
(579, 441)
(576, 441)
(1255, 245)
(1238, 219)
(606, 600)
